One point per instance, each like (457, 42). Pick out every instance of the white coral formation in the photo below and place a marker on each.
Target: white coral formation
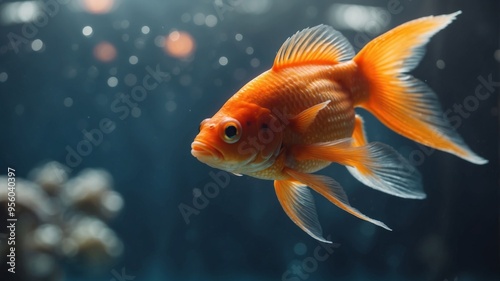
(61, 218)
(91, 192)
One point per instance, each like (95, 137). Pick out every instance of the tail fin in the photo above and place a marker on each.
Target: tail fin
(400, 101)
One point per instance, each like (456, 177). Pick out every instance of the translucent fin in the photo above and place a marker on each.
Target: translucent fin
(377, 165)
(298, 203)
(332, 191)
(317, 45)
(394, 164)
(389, 172)
(401, 102)
(303, 120)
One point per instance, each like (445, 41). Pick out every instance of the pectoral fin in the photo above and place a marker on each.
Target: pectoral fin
(303, 120)
(298, 204)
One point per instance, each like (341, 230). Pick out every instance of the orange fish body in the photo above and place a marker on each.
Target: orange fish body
(285, 94)
(298, 117)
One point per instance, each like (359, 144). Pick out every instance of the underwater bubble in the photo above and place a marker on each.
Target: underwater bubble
(238, 37)
(19, 109)
(179, 44)
(68, 102)
(125, 37)
(98, 6)
(249, 50)
(3, 77)
(255, 62)
(75, 47)
(171, 106)
(27, 11)
(256, 7)
(133, 60)
(130, 79)
(199, 19)
(112, 81)
(440, 64)
(145, 29)
(36, 45)
(300, 249)
(87, 31)
(136, 112)
(211, 21)
(362, 18)
(355, 15)
(105, 51)
(223, 61)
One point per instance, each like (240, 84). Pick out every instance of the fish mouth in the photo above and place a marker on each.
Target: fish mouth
(202, 150)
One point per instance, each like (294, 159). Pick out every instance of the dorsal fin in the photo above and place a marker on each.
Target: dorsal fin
(316, 45)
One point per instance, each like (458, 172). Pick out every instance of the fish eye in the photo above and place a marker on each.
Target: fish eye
(231, 130)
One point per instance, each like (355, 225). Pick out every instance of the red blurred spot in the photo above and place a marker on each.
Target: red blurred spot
(98, 6)
(105, 52)
(179, 44)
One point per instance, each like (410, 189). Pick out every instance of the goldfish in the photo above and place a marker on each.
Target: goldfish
(299, 117)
